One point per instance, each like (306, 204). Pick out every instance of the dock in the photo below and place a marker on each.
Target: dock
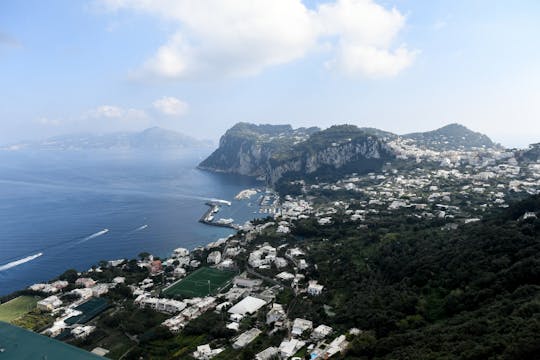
(208, 216)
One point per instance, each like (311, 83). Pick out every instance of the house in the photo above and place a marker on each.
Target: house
(181, 252)
(275, 314)
(85, 282)
(285, 276)
(247, 283)
(280, 262)
(301, 325)
(162, 305)
(156, 267)
(49, 304)
(83, 293)
(119, 280)
(288, 348)
(45, 288)
(268, 354)
(339, 344)
(314, 289)
(99, 290)
(214, 257)
(179, 272)
(321, 332)
(204, 352)
(60, 284)
(249, 305)
(226, 264)
(81, 332)
(245, 338)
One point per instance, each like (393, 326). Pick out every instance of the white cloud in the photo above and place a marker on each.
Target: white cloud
(116, 112)
(243, 37)
(169, 105)
(366, 31)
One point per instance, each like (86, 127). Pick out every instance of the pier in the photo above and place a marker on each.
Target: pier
(208, 216)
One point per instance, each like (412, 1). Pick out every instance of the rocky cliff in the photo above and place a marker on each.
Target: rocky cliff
(275, 151)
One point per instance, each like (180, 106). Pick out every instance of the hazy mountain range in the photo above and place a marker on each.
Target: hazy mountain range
(152, 138)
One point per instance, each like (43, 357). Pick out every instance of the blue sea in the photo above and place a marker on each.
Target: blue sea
(71, 209)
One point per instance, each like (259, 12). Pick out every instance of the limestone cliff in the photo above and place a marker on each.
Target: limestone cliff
(274, 151)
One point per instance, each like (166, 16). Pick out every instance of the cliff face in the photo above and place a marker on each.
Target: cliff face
(273, 152)
(367, 153)
(245, 148)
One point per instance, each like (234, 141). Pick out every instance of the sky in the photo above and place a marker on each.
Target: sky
(200, 66)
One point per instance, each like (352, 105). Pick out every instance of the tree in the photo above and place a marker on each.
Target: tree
(69, 275)
(144, 255)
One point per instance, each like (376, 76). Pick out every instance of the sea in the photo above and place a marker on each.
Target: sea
(71, 209)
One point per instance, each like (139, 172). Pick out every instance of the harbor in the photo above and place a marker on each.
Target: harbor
(208, 217)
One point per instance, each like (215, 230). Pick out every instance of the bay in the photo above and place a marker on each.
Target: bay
(71, 209)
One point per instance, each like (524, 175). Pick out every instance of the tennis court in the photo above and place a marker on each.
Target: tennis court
(89, 309)
(202, 282)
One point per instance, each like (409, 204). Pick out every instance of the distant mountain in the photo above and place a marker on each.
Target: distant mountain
(275, 151)
(451, 137)
(153, 138)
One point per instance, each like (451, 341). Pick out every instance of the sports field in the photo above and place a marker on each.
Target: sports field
(17, 307)
(89, 309)
(196, 284)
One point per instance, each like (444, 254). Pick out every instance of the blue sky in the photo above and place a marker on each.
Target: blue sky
(199, 67)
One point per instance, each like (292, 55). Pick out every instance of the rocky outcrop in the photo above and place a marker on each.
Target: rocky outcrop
(367, 150)
(273, 152)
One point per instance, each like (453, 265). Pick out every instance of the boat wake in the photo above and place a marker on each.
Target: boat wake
(93, 236)
(140, 228)
(19, 262)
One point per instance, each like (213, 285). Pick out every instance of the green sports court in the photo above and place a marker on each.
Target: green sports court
(202, 282)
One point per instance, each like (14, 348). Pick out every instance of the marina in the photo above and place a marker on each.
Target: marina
(208, 217)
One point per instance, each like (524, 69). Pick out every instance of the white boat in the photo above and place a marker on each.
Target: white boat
(225, 221)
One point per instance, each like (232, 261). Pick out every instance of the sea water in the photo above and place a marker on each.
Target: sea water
(71, 209)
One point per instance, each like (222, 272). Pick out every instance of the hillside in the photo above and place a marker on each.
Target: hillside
(451, 137)
(422, 292)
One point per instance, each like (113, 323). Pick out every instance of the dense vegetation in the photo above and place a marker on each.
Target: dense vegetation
(422, 292)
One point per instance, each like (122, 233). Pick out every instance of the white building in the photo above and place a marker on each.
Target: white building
(314, 289)
(301, 325)
(85, 282)
(321, 332)
(119, 280)
(214, 257)
(204, 352)
(288, 348)
(49, 304)
(83, 293)
(268, 354)
(248, 305)
(276, 313)
(99, 289)
(245, 338)
(80, 332)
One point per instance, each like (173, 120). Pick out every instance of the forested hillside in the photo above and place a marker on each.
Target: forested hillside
(422, 292)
